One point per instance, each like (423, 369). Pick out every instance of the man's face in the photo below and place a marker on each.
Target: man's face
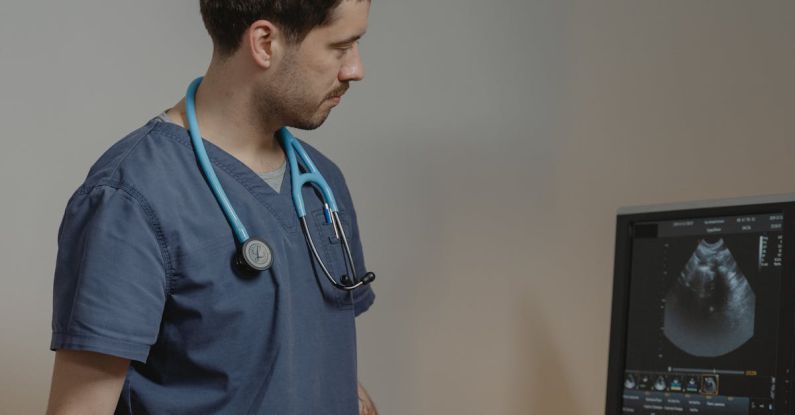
(315, 73)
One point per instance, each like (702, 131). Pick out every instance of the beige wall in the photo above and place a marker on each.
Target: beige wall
(487, 151)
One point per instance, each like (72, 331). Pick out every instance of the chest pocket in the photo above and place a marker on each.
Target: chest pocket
(330, 249)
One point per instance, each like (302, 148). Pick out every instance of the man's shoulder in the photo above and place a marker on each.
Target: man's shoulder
(140, 158)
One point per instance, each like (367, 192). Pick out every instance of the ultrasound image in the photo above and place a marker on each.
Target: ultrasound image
(709, 311)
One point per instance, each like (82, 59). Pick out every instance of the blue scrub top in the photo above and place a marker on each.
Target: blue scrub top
(144, 272)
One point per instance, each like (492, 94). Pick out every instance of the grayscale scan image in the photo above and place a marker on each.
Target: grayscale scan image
(709, 311)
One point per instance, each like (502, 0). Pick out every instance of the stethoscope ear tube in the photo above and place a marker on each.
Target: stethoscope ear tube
(295, 151)
(346, 283)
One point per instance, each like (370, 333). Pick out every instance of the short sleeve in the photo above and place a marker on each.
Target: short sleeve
(110, 277)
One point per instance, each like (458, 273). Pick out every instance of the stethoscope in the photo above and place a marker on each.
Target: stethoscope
(254, 255)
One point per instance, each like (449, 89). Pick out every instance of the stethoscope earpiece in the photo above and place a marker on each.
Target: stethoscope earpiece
(368, 278)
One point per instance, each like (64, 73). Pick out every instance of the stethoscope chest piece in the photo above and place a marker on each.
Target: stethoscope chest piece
(254, 256)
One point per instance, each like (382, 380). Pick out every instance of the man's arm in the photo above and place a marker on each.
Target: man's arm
(86, 383)
(366, 405)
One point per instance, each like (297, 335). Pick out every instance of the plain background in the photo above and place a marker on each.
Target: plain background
(487, 150)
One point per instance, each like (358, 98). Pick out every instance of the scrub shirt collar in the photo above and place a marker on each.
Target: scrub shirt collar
(279, 204)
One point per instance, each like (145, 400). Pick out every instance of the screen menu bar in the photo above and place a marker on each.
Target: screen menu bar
(711, 226)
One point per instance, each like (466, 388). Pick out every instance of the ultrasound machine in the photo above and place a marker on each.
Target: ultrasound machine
(703, 312)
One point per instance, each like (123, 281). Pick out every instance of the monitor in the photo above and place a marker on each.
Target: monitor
(703, 309)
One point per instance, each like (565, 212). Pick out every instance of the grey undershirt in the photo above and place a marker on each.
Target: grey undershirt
(273, 178)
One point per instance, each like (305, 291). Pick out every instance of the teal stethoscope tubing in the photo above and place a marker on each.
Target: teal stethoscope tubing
(291, 147)
(298, 179)
(241, 234)
(294, 150)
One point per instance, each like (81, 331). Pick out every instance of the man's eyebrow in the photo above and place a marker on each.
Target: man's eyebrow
(351, 39)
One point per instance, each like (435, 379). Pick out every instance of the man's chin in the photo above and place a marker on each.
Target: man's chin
(310, 124)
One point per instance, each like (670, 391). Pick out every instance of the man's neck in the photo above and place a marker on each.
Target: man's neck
(227, 117)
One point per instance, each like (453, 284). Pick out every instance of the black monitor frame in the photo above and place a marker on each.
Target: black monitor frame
(625, 221)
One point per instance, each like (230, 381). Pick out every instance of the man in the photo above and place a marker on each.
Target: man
(150, 314)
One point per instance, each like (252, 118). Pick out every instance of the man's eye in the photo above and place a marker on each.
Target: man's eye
(346, 46)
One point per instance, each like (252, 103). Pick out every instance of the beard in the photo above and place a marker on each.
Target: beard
(312, 123)
(293, 103)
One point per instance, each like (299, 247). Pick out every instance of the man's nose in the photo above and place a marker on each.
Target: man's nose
(352, 69)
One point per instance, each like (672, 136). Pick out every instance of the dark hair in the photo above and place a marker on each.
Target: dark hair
(227, 20)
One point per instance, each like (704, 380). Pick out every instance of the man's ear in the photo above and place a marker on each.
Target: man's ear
(262, 39)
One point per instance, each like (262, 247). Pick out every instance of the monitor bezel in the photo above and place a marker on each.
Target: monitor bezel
(626, 219)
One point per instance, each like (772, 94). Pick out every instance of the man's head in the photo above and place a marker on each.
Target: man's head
(301, 54)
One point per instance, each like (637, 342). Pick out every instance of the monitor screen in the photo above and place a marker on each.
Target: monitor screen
(702, 314)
